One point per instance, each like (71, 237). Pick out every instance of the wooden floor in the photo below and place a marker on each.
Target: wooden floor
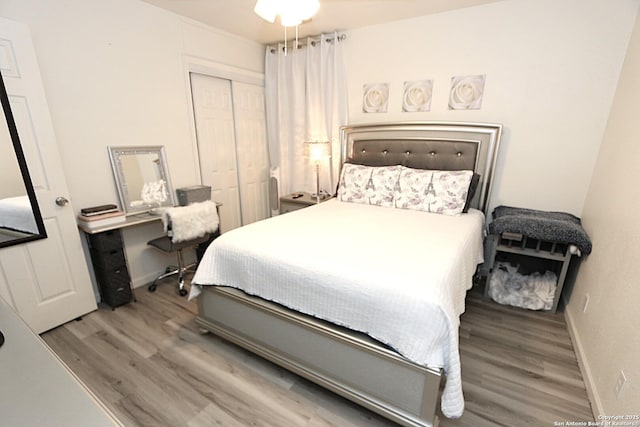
(151, 366)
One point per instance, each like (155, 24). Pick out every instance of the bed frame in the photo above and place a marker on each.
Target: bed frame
(346, 362)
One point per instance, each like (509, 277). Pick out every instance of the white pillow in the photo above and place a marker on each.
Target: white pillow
(442, 192)
(372, 185)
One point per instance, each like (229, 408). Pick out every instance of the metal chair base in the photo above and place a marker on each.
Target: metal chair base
(179, 270)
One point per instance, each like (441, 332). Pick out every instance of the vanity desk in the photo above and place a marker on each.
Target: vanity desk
(141, 175)
(109, 260)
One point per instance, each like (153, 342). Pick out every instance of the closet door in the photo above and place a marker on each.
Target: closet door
(251, 149)
(215, 130)
(231, 132)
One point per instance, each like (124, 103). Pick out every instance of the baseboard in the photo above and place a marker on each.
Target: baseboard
(139, 282)
(583, 364)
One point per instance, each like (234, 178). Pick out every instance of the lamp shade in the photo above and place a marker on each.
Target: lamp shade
(317, 150)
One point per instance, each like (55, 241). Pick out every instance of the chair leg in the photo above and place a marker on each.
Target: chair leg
(181, 269)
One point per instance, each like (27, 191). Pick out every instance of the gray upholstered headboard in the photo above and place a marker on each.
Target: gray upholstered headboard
(427, 145)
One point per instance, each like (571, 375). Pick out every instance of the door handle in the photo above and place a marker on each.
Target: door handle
(62, 201)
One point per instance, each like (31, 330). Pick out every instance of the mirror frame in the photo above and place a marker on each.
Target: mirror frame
(121, 181)
(26, 178)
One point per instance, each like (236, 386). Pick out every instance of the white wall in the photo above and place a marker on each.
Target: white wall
(114, 74)
(551, 68)
(607, 333)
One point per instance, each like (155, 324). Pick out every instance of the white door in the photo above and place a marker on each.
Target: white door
(47, 281)
(213, 112)
(251, 148)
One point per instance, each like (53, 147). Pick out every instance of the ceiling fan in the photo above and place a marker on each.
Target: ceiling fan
(294, 12)
(291, 12)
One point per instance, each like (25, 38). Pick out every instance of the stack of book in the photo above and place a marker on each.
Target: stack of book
(99, 216)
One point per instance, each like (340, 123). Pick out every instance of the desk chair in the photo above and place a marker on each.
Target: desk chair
(185, 226)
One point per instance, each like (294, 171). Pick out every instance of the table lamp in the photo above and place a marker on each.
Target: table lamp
(317, 151)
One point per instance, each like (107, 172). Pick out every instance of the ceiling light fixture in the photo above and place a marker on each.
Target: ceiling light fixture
(292, 13)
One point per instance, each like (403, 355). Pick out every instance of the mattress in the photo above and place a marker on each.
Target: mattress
(398, 275)
(16, 214)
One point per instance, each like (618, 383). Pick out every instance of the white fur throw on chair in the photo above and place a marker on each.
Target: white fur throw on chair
(192, 221)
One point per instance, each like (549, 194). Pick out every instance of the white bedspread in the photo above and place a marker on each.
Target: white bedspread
(16, 214)
(398, 275)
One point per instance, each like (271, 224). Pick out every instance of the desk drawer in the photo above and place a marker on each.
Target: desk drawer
(106, 260)
(112, 277)
(106, 241)
(115, 285)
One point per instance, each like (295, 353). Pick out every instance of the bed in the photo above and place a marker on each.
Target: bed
(16, 215)
(362, 296)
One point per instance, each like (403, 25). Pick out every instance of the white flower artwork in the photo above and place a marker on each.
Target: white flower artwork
(466, 92)
(376, 98)
(417, 95)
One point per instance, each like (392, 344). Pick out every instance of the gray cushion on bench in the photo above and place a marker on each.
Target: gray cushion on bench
(559, 227)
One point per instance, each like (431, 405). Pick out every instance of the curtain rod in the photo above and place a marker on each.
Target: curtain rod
(303, 42)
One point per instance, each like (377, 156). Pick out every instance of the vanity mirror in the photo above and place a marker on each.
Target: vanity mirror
(142, 178)
(20, 218)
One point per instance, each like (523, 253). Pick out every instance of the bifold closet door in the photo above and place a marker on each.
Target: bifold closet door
(231, 132)
(251, 150)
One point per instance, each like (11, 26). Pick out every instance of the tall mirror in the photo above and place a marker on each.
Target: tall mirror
(20, 218)
(142, 178)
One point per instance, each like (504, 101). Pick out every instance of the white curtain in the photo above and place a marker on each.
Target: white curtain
(306, 100)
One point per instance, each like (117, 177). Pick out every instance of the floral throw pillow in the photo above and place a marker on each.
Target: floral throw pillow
(442, 192)
(368, 184)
